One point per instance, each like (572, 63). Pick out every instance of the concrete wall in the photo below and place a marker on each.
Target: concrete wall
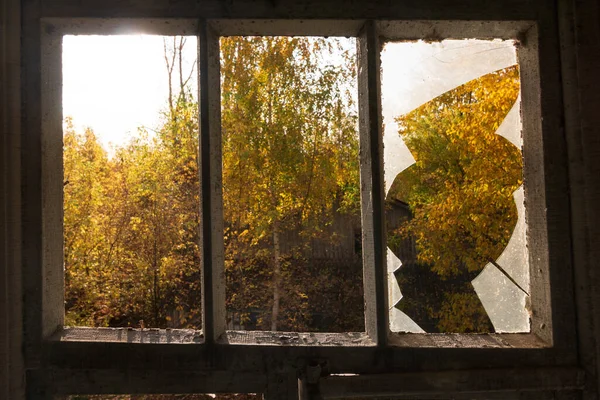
(579, 23)
(12, 377)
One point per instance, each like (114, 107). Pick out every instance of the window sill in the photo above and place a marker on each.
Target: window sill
(269, 338)
(466, 340)
(129, 335)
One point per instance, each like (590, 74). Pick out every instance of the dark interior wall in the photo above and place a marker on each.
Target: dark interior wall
(12, 376)
(580, 34)
(578, 23)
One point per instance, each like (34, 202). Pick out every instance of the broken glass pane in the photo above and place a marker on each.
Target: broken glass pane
(457, 260)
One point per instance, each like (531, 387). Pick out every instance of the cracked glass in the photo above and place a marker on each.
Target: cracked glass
(456, 257)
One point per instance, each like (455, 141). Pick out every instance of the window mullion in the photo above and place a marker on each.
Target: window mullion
(372, 194)
(52, 183)
(213, 285)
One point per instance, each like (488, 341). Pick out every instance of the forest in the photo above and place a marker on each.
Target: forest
(290, 184)
(291, 201)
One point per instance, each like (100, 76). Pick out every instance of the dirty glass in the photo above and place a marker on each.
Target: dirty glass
(456, 256)
(291, 191)
(131, 186)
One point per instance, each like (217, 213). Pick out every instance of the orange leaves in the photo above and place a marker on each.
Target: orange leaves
(131, 226)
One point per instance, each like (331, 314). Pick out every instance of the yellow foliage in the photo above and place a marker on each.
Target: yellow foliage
(460, 188)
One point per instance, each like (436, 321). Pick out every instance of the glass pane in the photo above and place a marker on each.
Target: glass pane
(131, 186)
(457, 259)
(291, 187)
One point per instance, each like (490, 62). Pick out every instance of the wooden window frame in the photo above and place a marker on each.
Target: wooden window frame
(88, 360)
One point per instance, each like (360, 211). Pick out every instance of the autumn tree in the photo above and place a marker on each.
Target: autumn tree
(88, 226)
(290, 162)
(290, 151)
(131, 221)
(457, 201)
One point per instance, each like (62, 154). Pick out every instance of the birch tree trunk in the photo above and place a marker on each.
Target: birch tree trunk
(276, 277)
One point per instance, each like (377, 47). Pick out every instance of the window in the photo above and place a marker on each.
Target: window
(217, 360)
(455, 216)
(131, 183)
(291, 187)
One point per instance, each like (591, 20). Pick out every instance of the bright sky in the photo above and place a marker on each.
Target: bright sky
(415, 72)
(115, 84)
